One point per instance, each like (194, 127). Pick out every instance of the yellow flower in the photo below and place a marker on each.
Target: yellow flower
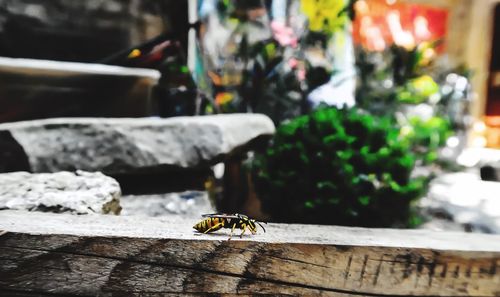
(324, 15)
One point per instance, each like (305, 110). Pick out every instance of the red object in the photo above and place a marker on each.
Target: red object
(379, 24)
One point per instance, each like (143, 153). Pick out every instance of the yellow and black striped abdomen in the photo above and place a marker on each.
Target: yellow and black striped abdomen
(209, 225)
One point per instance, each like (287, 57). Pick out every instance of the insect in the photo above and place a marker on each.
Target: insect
(214, 222)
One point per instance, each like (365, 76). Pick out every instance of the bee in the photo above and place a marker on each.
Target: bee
(214, 222)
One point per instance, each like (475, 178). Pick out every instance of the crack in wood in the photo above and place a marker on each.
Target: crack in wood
(197, 266)
(407, 270)
(300, 261)
(377, 272)
(363, 268)
(393, 271)
(445, 270)
(347, 269)
(420, 268)
(469, 270)
(248, 264)
(456, 272)
(493, 267)
(402, 262)
(420, 264)
(273, 255)
(432, 270)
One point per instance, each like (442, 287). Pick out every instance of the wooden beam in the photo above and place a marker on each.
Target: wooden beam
(57, 254)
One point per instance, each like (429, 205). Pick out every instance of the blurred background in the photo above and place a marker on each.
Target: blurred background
(98, 31)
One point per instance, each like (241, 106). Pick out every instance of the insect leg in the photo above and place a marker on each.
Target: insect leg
(232, 230)
(252, 231)
(244, 227)
(214, 227)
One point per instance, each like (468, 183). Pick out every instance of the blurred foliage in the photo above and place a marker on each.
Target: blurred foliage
(268, 65)
(393, 77)
(427, 136)
(356, 166)
(267, 85)
(428, 102)
(341, 167)
(417, 90)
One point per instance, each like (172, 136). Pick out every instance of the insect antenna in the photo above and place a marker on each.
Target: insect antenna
(262, 226)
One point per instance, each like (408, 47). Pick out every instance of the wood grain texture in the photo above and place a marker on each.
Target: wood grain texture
(56, 254)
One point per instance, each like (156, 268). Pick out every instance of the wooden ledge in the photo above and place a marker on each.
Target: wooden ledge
(57, 254)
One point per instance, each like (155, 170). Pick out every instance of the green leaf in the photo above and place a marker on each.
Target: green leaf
(364, 200)
(309, 204)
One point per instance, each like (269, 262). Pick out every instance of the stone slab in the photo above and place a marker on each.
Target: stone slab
(122, 145)
(78, 193)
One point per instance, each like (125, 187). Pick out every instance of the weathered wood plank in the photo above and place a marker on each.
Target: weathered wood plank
(56, 254)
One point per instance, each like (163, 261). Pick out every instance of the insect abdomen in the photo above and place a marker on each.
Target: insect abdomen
(212, 224)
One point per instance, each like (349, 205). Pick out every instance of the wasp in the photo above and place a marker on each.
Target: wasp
(214, 222)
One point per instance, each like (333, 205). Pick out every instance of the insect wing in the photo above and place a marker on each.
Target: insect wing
(223, 216)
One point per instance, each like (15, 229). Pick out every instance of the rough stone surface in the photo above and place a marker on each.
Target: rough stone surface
(122, 145)
(187, 204)
(79, 193)
(463, 200)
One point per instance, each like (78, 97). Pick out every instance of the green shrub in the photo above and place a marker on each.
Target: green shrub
(340, 167)
(427, 136)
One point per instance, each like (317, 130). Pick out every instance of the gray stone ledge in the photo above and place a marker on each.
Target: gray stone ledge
(121, 145)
